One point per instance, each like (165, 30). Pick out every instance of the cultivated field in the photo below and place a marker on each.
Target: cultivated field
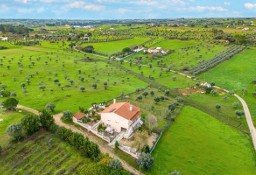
(43, 153)
(198, 144)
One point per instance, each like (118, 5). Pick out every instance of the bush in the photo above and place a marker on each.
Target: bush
(15, 131)
(67, 116)
(145, 161)
(85, 119)
(50, 106)
(115, 164)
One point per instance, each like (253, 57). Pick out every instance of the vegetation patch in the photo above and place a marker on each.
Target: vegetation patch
(199, 144)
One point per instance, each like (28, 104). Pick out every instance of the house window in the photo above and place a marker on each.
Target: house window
(109, 120)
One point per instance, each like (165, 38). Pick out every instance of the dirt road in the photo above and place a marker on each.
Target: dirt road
(103, 147)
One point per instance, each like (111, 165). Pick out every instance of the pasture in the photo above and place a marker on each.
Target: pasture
(237, 74)
(199, 144)
(38, 78)
(44, 153)
(227, 113)
(116, 46)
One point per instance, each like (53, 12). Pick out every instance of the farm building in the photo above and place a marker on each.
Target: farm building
(157, 50)
(78, 117)
(121, 116)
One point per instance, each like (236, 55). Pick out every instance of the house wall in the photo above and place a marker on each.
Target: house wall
(115, 121)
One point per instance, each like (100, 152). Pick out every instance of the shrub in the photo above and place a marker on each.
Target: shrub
(15, 131)
(145, 161)
(115, 164)
(67, 116)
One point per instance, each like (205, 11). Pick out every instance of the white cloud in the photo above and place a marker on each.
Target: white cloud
(85, 6)
(22, 1)
(178, 2)
(145, 2)
(250, 5)
(203, 8)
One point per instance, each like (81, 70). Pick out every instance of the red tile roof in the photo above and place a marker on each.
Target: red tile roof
(79, 115)
(123, 109)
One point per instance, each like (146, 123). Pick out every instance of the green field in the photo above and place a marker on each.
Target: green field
(198, 144)
(186, 54)
(227, 113)
(116, 46)
(49, 67)
(162, 76)
(236, 74)
(176, 44)
(44, 153)
(8, 119)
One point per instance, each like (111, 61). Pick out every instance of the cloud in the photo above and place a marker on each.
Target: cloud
(250, 5)
(85, 6)
(203, 8)
(145, 2)
(178, 2)
(22, 1)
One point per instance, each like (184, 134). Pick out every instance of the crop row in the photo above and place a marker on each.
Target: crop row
(229, 53)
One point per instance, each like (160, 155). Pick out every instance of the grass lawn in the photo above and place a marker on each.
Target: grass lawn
(236, 74)
(44, 153)
(56, 77)
(116, 46)
(199, 144)
(8, 119)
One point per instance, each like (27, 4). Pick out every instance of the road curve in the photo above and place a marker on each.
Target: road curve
(248, 120)
(103, 147)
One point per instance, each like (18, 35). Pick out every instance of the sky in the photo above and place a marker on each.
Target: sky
(125, 9)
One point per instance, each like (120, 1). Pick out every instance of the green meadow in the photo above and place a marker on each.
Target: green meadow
(237, 74)
(160, 75)
(197, 143)
(41, 77)
(116, 46)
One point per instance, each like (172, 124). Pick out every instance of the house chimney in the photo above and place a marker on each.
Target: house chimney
(114, 101)
(130, 107)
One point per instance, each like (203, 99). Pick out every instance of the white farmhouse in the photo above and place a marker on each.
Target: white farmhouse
(122, 116)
